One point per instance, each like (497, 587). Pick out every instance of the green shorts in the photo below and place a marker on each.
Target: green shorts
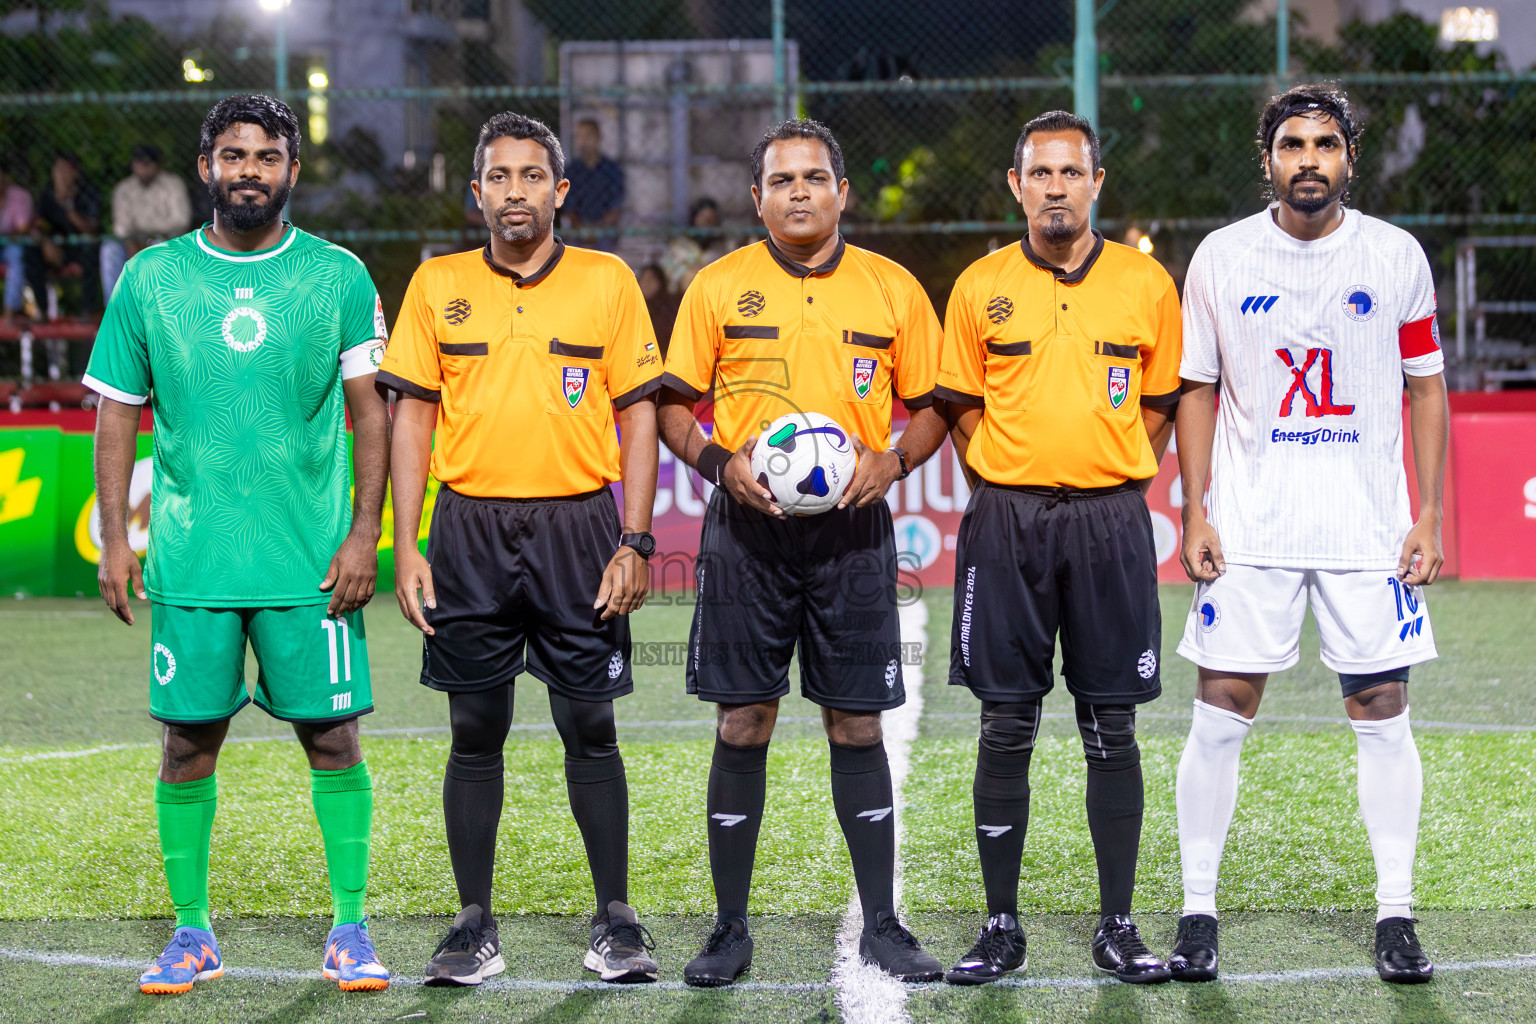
(313, 668)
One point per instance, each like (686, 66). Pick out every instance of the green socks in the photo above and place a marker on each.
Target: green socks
(344, 808)
(185, 812)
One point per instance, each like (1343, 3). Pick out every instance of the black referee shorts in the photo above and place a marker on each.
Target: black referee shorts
(1031, 561)
(825, 584)
(516, 571)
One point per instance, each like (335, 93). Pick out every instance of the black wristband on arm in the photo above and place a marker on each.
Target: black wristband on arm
(711, 462)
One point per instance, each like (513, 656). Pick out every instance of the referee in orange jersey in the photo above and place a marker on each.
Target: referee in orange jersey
(1060, 372)
(521, 356)
(801, 321)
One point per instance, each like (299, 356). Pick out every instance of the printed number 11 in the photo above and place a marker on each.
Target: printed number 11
(332, 627)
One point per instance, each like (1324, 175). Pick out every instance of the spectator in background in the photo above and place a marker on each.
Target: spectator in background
(687, 254)
(596, 198)
(15, 220)
(148, 206)
(68, 205)
(660, 301)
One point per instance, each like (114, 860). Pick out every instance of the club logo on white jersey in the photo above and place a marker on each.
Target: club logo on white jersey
(239, 336)
(993, 831)
(1210, 615)
(1146, 665)
(1359, 302)
(162, 652)
(727, 820)
(878, 814)
(1259, 303)
(616, 665)
(890, 674)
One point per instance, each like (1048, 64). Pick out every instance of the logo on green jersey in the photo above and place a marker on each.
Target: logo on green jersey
(162, 656)
(244, 329)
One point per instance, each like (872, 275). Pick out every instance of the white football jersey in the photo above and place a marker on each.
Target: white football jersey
(1309, 342)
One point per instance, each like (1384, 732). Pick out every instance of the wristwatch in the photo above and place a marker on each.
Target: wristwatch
(901, 454)
(643, 543)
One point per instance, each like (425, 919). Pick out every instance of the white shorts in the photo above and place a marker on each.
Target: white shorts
(1250, 619)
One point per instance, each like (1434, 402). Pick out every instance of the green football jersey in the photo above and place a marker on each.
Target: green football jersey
(241, 358)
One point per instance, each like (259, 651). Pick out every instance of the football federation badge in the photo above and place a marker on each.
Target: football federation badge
(575, 378)
(1119, 385)
(863, 376)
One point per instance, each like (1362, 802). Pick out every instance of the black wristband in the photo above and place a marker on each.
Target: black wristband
(711, 462)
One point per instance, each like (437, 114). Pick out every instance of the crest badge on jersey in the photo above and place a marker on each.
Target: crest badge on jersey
(1119, 385)
(244, 329)
(863, 376)
(575, 383)
(1359, 303)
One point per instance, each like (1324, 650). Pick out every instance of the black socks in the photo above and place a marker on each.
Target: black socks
(861, 793)
(1115, 799)
(599, 795)
(472, 795)
(1001, 798)
(738, 782)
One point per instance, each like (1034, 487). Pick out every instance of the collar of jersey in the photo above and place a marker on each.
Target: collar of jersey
(1061, 275)
(289, 234)
(533, 278)
(1328, 241)
(801, 270)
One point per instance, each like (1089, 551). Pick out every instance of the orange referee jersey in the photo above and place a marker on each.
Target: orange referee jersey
(777, 337)
(1062, 364)
(528, 369)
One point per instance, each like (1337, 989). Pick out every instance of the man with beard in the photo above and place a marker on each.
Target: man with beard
(251, 340)
(1060, 372)
(801, 321)
(521, 356)
(1309, 317)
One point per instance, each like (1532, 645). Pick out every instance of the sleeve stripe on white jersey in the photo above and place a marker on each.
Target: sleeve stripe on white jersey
(106, 390)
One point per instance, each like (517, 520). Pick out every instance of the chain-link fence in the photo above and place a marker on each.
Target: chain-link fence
(926, 100)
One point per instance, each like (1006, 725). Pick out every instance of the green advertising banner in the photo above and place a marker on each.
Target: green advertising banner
(50, 530)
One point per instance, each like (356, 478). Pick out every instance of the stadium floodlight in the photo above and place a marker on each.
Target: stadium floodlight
(1469, 25)
(279, 42)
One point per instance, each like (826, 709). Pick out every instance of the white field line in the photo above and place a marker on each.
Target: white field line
(864, 992)
(1310, 719)
(505, 984)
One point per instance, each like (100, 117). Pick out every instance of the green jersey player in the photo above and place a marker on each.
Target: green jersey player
(246, 337)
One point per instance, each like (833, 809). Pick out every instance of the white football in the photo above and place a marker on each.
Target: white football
(806, 460)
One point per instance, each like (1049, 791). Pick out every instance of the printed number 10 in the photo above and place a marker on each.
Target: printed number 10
(332, 627)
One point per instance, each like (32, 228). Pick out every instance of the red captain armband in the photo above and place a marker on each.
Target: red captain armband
(1419, 337)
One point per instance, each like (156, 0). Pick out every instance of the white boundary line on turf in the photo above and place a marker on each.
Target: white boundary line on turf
(866, 994)
(505, 984)
(1312, 719)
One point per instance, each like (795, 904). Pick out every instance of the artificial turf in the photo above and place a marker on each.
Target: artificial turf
(80, 873)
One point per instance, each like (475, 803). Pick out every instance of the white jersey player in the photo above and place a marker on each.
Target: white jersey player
(1308, 318)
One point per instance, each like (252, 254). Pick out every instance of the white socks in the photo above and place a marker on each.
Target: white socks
(1207, 795)
(1391, 793)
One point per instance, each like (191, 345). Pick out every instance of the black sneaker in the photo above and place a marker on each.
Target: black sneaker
(620, 950)
(1118, 949)
(998, 949)
(894, 950)
(468, 954)
(1194, 951)
(1398, 956)
(726, 955)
